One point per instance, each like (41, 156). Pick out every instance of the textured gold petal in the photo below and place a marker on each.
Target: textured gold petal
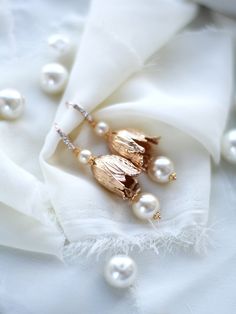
(116, 174)
(133, 145)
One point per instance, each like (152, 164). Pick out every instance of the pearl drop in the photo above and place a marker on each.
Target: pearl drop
(54, 77)
(60, 44)
(146, 206)
(84, 156)
(11, 104)
(161, 170)
(120, 271)
(229, 146)
(101, 128)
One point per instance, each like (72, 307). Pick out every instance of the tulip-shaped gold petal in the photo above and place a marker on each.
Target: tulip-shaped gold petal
(133, 145)
(117, 174)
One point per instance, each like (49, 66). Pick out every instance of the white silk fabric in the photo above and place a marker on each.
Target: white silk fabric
(158, 83)
(180, 283)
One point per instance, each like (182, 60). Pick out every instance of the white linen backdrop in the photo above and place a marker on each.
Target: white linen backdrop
(182, 93)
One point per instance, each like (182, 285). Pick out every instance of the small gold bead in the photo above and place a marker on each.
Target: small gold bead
(172, 177)
(157, 216)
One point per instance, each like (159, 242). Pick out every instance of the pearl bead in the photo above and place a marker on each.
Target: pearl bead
(60, 44)
(11, 104)
(146, 206)
(101, 128)
(84, 156)
(229, 146)
(161, 170)
(120, 271)
(54, 77)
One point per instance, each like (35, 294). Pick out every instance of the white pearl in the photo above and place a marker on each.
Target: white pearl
(101, 128)
(11, 104)
(60, 44)
(229, 146)
(120, 271)
(146, 206)
(84, 156)
(54, 77)
(161, 170)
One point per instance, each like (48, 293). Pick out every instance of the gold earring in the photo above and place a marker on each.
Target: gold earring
(135, 146)
(118, 175)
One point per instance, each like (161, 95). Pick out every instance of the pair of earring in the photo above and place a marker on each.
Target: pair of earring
(118, 172)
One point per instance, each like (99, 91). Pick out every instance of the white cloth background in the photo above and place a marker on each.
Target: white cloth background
(173, 81)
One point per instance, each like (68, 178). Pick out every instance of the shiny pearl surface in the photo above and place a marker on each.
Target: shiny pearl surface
(101, 128)
(54, 77)
(11, 104)
(229, 146)
(84, 156)
(60, 44)
(161, 169)
(146, 206)
(120, 271)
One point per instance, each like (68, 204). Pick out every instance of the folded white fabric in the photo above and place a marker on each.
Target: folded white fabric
(169, 96)
(227, 7)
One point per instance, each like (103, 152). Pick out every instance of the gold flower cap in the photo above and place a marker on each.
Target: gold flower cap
(133, 145)
(117, 174)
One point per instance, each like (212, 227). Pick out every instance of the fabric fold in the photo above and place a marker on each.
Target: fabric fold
(118, 40)
(26, 218)
(176, 87)
(25, 233)
(169, 97)
(23, 191)
(168, 88)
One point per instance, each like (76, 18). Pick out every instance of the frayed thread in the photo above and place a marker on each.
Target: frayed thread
(197, 239)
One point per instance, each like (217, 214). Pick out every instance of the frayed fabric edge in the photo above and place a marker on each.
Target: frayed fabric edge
(196, 238)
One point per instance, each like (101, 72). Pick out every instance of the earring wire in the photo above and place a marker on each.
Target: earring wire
(84, 113)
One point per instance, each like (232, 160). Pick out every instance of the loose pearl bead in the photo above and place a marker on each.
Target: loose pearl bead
(54, 77)
(161, 170)
(84, 156)
(146, 206)
(101, 128)
(11, 104)
(120, 271)
(60, 44)
(229, 146)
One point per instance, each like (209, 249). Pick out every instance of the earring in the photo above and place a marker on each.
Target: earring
(135, 146)
(118, 175)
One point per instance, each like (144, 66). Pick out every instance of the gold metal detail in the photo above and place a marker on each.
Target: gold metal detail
(117, 174)
(133, 145)
(172, 177)
(157, 216)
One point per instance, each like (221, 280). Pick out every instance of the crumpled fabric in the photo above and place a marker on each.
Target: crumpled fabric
(179, 283)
